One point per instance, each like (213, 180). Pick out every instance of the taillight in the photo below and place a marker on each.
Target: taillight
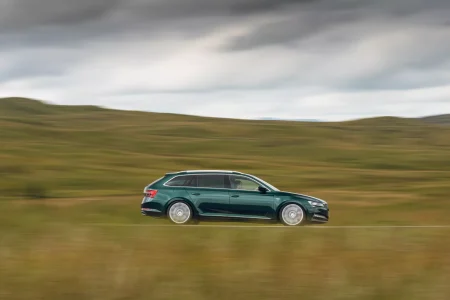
(151, 193)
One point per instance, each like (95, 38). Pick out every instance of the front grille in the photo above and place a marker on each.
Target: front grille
(323, 212)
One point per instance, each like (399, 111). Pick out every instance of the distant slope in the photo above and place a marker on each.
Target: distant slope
(438, 119)
(281, 119)
(386, 121)
(25, 106)
(21, 106)
(17, 106)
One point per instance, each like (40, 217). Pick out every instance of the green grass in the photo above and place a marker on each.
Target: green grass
(63, 168)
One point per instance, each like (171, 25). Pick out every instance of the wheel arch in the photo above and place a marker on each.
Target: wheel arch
(180, 199)
(287, 202)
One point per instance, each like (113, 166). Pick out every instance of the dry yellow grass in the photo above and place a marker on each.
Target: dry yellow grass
(80, 262)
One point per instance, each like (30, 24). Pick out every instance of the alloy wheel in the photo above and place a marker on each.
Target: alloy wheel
(292, 215)
(180, 213)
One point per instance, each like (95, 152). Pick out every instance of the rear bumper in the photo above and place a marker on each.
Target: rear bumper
(151, 212)
(151, 208)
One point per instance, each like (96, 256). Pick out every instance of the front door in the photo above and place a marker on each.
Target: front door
(210, 196)
(246, 201)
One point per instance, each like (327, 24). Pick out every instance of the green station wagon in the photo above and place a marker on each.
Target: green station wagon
(184, 197)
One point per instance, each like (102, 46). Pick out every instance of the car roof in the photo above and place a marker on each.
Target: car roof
(204, 171)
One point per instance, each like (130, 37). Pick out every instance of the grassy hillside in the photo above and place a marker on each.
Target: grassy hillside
(83, 151)
(92, 163)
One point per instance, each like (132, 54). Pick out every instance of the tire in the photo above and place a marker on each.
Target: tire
(180, 213)
(292, 215)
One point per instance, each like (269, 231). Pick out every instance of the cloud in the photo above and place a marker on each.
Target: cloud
(22, 14)
(242, 58)
(19, 14)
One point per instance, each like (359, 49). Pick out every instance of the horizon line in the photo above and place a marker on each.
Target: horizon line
(261, 118)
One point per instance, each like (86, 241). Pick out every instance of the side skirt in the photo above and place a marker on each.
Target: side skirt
(209, 215)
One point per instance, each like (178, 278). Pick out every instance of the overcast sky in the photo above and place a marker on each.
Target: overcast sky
(314, 59)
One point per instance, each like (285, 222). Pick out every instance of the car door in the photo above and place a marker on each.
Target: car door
(247, 201)
(210, 195)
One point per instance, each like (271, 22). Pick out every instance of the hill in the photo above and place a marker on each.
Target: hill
(24, 107)
(63, 151)
(439, 119)
(281, 119)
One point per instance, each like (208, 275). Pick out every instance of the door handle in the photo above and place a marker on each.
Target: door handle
(234, 196)
(195, 194)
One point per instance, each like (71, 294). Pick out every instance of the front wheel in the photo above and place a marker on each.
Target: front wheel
(292, 215)
(180, 213)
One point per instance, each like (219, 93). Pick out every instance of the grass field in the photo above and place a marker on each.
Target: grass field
(63, 168)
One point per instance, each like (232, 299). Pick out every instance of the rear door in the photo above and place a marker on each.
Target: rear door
(247, 201)
(210, 195)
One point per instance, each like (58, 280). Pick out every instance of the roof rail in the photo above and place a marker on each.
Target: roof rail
(209, 171)
(204, 171)
(173, 173)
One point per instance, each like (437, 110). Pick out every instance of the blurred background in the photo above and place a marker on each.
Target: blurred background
(347, 101)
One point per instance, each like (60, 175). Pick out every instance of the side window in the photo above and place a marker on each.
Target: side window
(243, 183)
(182, 181)
(211, 181)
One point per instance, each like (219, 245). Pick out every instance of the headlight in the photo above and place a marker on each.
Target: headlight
(315, 203)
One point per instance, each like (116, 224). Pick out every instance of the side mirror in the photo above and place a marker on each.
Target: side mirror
(262, 189)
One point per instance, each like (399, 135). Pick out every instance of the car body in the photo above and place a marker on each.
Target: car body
(186, 196)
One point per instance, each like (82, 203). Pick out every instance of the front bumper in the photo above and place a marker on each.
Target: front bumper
(320, 215)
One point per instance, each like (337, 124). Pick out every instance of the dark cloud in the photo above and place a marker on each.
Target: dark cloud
(327, 15)
(298, 19)
(64, 23)
(294, 27)
(30, 13)
(256, 6)
(21, 14)
(184, 9)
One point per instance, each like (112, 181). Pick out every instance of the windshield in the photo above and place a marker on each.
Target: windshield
(266, 183)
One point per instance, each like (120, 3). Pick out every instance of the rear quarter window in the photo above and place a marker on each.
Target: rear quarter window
(185, 180)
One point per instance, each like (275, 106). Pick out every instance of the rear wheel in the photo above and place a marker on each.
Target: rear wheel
(180, 213)
(292, 215)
